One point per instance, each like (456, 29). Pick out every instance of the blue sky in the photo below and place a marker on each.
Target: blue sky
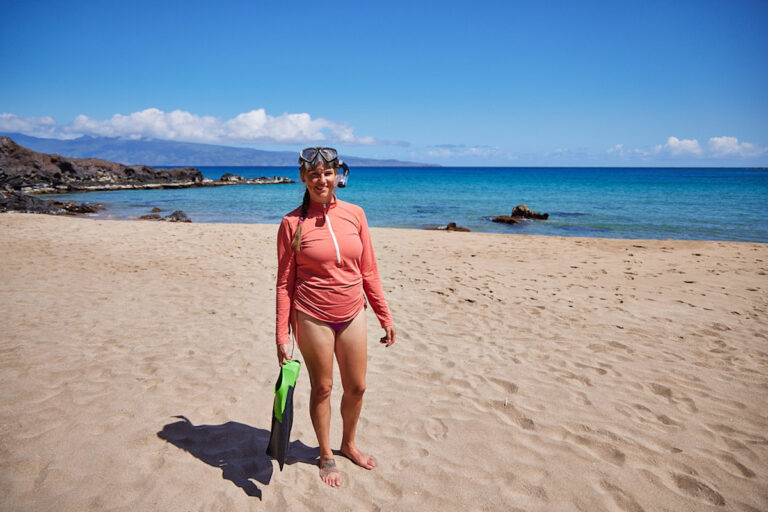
(455, 83)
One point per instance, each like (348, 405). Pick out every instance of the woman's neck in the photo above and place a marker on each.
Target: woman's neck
(331, 199)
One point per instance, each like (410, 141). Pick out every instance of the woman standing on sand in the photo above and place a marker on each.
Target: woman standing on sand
(325, 263)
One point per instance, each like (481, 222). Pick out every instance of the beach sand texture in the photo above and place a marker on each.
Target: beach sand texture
(530, 373)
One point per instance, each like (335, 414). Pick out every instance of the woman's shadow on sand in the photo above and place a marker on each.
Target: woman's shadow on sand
(236, 448)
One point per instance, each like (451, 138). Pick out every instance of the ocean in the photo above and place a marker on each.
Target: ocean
(678, 203)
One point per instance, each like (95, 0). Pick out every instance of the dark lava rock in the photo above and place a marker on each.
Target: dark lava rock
(78, 208)
(30, 171)
(178, 216)
(523, 211)
(236, 179)
(520, 211)
(450, 227)
(156, 209)
(15, 201)
(453, 227)
(151, 216)
(506, 219)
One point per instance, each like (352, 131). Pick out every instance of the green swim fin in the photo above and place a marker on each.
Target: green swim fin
(282, 411)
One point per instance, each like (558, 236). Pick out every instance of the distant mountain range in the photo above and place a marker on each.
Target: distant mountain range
(170, 153)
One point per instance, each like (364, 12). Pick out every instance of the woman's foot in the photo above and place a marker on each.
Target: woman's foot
(329, 473)
(361, 459)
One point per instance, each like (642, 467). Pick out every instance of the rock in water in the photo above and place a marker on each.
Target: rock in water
(453, 227)
(450, 227)
(520, 211)
(178, 216)
(78, 208)
(523, 211)
(506, 219)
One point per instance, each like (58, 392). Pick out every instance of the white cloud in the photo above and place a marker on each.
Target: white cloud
(462, 150)
(716, 148)
(251, 127)
(621, 151)
(677, 147)
(730, 146)
(35, 126)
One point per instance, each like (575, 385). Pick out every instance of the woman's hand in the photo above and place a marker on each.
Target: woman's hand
(283, 354)
(389, 335)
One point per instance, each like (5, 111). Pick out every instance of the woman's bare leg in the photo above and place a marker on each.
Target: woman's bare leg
(351, 354)
(317, 342)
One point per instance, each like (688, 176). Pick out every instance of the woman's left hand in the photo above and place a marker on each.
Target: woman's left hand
(389, 335)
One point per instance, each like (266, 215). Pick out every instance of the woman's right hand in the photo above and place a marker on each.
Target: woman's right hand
(283, 354)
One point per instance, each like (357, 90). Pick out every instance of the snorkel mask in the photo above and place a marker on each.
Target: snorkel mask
(313, 156)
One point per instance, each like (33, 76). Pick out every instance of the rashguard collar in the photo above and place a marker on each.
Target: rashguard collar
(318, 207)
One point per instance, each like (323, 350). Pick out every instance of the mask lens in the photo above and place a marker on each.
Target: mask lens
(309, 154)
(329, 154)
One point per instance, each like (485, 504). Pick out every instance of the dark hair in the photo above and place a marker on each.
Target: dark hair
(296, 241)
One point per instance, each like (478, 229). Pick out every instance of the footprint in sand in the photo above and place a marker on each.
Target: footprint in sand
(660, 390)
(598, 371)
(623, 500)
(687, 404)
(644, 416)
(697, 489)
(410, 458)
(512, 415)
(505, 385)
(581, 398)
(436, 428)
(744, 470)
(605, 451)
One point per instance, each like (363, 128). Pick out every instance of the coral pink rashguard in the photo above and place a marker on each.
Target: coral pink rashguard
(326, 279)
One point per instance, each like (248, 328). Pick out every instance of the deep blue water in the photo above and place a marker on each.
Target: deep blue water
(680, 203)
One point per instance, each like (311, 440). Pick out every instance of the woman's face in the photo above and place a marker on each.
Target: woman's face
(320, 183)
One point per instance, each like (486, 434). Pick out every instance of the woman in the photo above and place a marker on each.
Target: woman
(326, 269)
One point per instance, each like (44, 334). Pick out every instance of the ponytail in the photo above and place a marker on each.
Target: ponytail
(296, 241)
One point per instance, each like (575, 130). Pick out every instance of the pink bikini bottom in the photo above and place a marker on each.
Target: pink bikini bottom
(336, 326)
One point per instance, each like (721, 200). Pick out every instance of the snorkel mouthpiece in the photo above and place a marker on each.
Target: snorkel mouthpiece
(341, 178)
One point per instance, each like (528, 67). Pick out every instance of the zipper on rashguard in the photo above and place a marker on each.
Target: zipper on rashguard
(333, 235)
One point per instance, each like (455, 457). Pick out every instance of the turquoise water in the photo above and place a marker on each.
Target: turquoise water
(687, 203)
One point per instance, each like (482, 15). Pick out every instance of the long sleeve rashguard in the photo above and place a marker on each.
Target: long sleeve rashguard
(330, 278)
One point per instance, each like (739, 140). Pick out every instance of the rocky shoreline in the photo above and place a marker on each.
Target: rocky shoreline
(24, 172)
(205, 182)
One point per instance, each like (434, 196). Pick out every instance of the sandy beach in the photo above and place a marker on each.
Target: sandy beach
(531, 373)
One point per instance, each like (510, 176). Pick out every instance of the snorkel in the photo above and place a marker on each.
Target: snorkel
(341, 178)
